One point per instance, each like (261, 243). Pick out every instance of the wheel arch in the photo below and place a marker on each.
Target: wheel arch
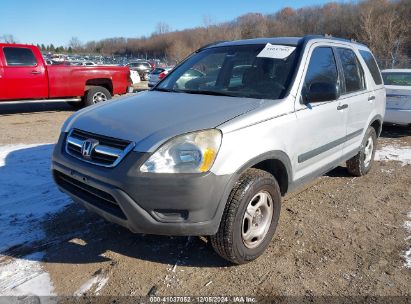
(276, 163)
(106, 83)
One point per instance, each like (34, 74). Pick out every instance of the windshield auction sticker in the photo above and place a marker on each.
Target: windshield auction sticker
(276, 51)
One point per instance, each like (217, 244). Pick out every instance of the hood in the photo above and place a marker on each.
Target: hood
(150, 118)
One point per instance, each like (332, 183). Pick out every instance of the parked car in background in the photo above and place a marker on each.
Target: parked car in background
(81, 63)
(213, 157)
(187, 76)
(24, 75)
(157, 74)
(142, 67)
(398, 85)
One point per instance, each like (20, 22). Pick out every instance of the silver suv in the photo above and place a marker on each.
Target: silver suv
(212, 155)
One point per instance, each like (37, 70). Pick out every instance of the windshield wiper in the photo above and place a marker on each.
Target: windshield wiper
(205, 92)
(162, 90)
(167, 90)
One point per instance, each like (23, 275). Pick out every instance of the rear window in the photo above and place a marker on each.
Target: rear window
(19, 56)
(372, 66)
(399, 79)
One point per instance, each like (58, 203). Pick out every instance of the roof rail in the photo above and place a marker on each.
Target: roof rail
(210, 44)
(328, 36)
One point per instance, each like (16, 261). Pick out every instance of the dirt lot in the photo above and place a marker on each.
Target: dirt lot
(340, 236)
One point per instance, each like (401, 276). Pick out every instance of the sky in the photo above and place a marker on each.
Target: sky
(56, 21)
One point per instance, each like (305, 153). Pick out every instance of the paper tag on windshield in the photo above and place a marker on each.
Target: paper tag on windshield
(276, 51)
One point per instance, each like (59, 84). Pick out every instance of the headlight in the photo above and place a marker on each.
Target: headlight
(188, 153)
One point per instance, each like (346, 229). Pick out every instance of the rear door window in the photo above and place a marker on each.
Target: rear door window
(352, 71)
(19, 56)
(372, 66)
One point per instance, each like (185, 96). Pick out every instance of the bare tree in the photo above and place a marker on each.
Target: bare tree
(162, 28)
(75, 44)
(208, 21)
(381, 24)
(382, 28)
(7, 38)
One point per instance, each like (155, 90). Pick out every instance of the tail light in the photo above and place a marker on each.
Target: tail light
(130, 81)
(162, 75)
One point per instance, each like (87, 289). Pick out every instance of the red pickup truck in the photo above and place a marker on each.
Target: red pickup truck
(24, 75)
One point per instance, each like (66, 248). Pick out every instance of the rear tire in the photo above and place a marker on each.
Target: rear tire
(95, 95)
(249, 219)
(361, 164)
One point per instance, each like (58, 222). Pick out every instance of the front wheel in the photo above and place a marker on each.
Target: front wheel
(360, 164)
(249, 219)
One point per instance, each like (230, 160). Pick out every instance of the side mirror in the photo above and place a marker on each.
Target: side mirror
(322, 91)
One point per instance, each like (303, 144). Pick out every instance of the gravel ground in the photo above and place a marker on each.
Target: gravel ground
(339, 236)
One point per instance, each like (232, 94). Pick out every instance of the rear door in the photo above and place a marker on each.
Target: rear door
(321, 133)
(24, 76)
(355, 98)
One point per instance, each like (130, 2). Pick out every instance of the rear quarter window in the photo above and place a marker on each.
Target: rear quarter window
(19, 56)
(372, 66)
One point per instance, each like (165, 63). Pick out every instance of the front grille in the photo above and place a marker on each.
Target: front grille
(104, 151)
(91, 195)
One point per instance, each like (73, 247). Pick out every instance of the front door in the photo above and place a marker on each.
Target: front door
(23, 76)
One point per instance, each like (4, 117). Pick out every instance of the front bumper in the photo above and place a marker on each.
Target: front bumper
(397, 116)
(165, 204)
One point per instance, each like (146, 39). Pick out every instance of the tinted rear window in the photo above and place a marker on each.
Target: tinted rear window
(399, 79)
(19, 56)
(372, 66)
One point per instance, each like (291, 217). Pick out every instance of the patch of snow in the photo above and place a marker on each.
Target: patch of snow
(98, 281)
(28, 196)
(100, 285)
(397, 153)
(407, 253)
(27, 193)
(25, 277)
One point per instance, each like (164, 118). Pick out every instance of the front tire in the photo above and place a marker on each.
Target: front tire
(249, 219)
(361, 164)
(95, 95)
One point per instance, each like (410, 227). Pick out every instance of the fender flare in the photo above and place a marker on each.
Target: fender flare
(275, 155)
(378, 118)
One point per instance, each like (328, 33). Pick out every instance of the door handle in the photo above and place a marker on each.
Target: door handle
(35, 72)
(342, 107)
(371, 98)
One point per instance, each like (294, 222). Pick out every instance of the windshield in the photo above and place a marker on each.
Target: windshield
(397, 78)
(232, 71)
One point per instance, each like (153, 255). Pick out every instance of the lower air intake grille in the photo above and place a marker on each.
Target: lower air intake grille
(91, 195)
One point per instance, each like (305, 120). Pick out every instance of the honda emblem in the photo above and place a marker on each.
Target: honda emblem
(88, 147)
